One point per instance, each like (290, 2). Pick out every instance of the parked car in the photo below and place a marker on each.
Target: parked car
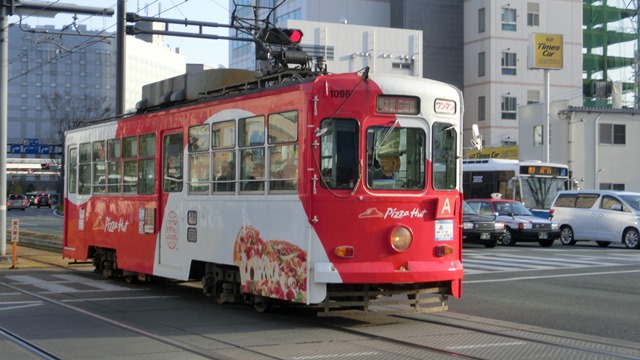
(17, 201)
(478, 229)
(602, 216)
(520, 224)
(43, 200)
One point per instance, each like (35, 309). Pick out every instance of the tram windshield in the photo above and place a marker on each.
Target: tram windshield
(395, 158)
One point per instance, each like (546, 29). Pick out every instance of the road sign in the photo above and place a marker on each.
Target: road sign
(15, 230)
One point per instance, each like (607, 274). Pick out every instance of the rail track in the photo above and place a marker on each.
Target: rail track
(418, 336)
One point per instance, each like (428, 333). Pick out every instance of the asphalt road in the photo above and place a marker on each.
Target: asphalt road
(583, 289)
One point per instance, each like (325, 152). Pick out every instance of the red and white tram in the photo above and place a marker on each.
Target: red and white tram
(327, 190)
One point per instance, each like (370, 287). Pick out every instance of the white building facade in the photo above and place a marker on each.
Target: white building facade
(496, 76)
(597, 144)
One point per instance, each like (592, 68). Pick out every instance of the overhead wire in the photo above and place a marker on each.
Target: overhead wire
(90, 41)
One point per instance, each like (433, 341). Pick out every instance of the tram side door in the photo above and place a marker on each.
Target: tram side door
(171, 186)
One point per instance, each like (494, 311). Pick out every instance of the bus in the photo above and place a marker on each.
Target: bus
(533, 182)
(334, 191)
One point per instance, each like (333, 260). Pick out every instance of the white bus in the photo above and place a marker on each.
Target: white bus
(533, 182)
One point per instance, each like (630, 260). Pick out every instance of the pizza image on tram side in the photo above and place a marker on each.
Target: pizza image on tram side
(273, 268)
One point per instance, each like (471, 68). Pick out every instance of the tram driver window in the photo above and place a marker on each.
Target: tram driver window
(339, 153)
(444, 156)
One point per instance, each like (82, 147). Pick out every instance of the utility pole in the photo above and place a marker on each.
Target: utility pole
(34, 8)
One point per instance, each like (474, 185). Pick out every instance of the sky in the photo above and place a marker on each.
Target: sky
(199, 51)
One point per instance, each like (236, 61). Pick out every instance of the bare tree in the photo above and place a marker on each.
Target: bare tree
(69, 112)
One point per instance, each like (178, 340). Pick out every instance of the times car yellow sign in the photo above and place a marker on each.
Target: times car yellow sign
(545, 51)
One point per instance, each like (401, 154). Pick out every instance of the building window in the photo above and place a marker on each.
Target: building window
(612, 134)
(538, 137)
(402, 65)
(509, 63)
(610, 186)
(481, 20)
(533, 14)
(481, 108)
(533, 96)
(481, 64)
(508, 19)
(509, 105)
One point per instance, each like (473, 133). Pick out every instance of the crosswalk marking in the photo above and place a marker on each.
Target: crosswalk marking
(483, 262)
(65, 283)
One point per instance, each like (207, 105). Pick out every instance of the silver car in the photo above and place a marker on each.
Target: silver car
(17, 201)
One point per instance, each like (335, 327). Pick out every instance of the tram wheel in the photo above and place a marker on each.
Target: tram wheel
(261, 304)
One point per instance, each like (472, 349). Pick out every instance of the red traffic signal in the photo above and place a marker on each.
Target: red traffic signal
(278, 36)
(295, 35)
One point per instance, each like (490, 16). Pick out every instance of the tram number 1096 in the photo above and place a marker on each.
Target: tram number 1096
(339, 93)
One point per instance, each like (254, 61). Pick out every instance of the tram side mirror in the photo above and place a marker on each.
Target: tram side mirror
(320, 132)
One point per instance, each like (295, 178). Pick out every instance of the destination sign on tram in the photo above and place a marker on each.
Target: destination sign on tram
(543, 170)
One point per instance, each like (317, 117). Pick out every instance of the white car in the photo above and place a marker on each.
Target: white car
(602, 216)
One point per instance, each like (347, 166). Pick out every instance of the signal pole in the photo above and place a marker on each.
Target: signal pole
(35, 8)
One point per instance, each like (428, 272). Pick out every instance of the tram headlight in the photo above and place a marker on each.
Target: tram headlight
(401, 238)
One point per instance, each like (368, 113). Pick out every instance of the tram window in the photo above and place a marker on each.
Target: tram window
(129, 164)
(223, 135)
(84, 170)
(252, 169)
(129, 147)
(113, 149)
(199, 159)
(147, 164)
(444, 156)
(199, 138)
(113, 166)
(283, 127)
(72, 176)
(251, 142)
(129, 178)
(172, 162)
(98, 151)
(396, 158)
(251, 131)
(199, 172)
(283, 167)
(339, 153)
(99, 170)
(224, 167)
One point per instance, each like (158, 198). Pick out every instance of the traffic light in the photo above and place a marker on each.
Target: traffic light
(44, 166)
(278, 36)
